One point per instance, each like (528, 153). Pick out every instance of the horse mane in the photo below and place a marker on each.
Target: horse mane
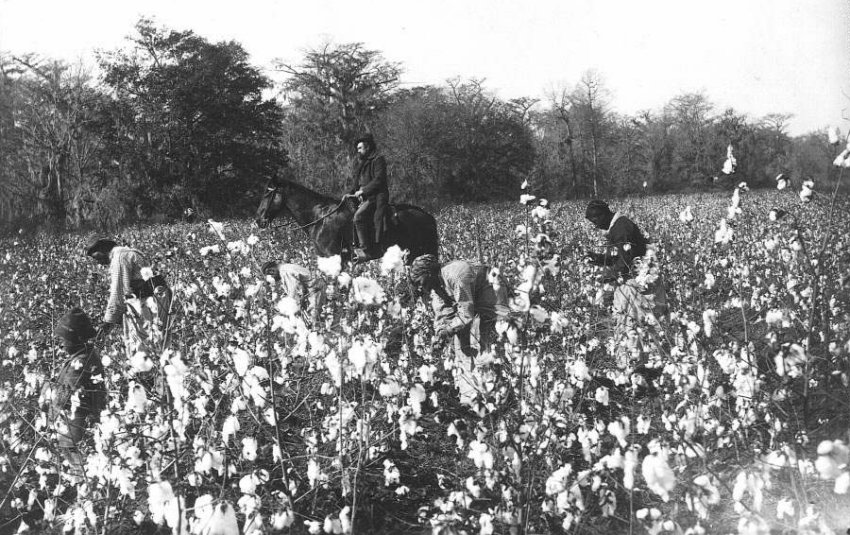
(326, 199)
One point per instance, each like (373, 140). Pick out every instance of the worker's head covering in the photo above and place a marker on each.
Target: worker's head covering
(423, 267)
(100, 245)
(272, 269)
(75, 327)
(597, 208)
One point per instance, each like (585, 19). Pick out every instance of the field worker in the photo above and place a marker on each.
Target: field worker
(371, 187)
(301, 284)
(639, 293)
(466, 307)
(76, 395)
(127, 269)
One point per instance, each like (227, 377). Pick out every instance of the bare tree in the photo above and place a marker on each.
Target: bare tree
(346, 83)
(592, 95)
(50, 114)
(562, 105)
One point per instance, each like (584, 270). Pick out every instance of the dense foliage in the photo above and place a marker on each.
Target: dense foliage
(175, 122)
(730, 414)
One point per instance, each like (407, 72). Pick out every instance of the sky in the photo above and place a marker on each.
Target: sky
(757, 56)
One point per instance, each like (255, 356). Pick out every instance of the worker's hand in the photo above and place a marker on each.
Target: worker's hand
(359, 194)
(444, 333)
(609, 279)
(104, 328)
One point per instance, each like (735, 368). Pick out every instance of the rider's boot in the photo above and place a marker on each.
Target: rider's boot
(362, 252)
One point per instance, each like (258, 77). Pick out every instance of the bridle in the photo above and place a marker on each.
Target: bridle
(275, 190)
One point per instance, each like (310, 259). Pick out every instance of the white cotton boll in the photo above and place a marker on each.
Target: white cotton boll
(618, 431)
(526, 199)
(345, 519)
(223, 521)
(485, 524)
(283, 519)
(524, 184)
(659, 477)
(249, 448)
(393, 260)
(204, 508)
(629, 465)
(363, 357)
(140, 362)
(520, 231)
(834, 135)
(601, 395)
(389, 388)
(840, 159)
(330, 266)
(426, 373)
(247, 484)
(540, 212)
(229, 428)
(494, 278)
(137, 398)
(842, 483)
(211, 249)
(367, 292)
(512, 334)
(288, 306)
(241, 361)
(216, 228)
(736, 198)
(686, 215)
(238, 246)
(723, 234)
(160, 496)
(709, 317)
(731, 212)
(391, 474)
(416, 397)
(785, 507)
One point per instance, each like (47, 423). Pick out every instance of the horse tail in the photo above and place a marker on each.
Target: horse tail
(425, 227)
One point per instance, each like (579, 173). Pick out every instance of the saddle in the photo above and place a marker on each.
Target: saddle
(391, 216)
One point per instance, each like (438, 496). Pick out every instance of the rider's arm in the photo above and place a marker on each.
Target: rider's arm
(379, 178)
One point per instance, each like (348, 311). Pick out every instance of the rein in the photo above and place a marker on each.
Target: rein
(311, 223)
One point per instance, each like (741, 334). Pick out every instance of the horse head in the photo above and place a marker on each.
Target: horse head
(270, 204)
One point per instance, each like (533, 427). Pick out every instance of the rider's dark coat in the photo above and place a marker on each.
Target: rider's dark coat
(370, 175)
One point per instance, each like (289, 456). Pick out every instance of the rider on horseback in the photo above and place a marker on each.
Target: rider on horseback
(370, 187)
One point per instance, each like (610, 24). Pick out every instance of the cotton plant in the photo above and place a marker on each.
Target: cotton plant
(234, 369)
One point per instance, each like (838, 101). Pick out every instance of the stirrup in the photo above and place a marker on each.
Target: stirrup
(362, 254)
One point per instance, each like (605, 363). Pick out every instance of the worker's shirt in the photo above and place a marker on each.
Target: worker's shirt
(626, 243)
(125, 266)
(472, 293)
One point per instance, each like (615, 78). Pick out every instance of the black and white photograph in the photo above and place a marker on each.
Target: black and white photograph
(457, 267)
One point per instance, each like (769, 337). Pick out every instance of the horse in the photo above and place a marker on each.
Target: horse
(329, 222)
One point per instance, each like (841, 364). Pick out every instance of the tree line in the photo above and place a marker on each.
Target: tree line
(175, 124)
